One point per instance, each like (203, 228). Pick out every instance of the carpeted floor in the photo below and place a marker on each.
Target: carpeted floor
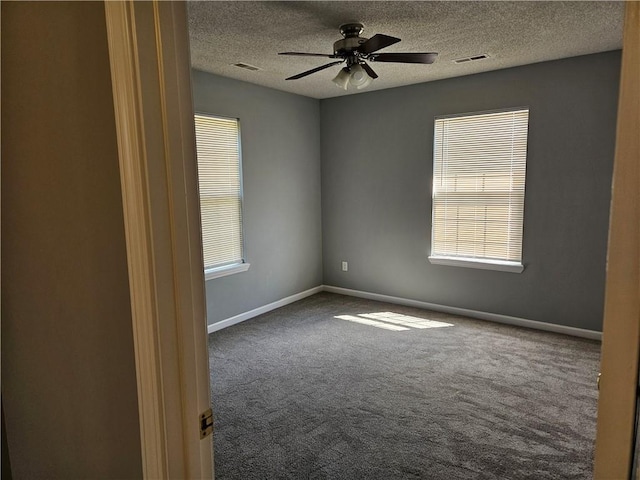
(299, 393)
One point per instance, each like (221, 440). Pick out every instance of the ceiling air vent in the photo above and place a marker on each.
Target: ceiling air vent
(246, 66)
(471, 59)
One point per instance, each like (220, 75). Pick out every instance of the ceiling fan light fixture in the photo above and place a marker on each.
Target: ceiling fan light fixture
(342, 79)
(359, 77)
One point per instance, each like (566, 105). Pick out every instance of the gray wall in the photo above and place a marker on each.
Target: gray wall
(68, 371)
(376, 190)
(280, 135)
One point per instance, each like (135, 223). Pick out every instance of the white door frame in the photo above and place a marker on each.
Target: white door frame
(621, 329)
(150, 71)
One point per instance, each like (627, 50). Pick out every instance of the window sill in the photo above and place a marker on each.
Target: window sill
(498, 265)
(218, 272)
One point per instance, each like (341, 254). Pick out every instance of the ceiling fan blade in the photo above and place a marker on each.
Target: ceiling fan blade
(403, 57)
(314, 70)
(369, 70)
(377, 42)
(301, 54)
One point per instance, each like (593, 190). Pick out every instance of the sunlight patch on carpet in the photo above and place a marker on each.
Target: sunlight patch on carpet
(393, 321)
(373, 323)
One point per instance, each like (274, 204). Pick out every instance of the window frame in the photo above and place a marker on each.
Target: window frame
(242, 265)
(483, 263)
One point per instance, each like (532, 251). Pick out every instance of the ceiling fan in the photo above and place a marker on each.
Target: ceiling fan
(354, 50)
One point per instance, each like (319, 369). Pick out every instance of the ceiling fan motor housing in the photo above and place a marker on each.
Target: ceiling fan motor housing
(347, 45)
(352, 39)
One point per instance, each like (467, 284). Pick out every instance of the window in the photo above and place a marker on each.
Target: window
(478, 189)
(220, 180)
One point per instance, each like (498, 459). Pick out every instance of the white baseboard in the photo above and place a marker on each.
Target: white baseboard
(264, 309)
(493, 317)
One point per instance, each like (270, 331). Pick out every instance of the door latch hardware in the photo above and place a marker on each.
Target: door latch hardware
(206, 423)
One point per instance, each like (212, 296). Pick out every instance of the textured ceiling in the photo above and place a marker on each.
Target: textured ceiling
(512, 33)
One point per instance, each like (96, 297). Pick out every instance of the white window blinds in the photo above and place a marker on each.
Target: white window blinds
(218, 151)
(478, 186)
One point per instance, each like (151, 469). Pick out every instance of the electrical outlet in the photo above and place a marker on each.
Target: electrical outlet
(345, 266)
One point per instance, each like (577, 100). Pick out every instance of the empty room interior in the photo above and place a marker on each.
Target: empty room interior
(397, 219)
(354, 332)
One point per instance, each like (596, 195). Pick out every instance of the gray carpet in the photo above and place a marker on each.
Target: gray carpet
(301, 394)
